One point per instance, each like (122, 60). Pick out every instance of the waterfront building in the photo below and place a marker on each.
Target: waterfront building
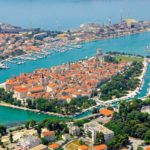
(131, 23)
(20, 92)
(94, 127)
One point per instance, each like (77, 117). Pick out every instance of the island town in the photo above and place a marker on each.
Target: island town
(17, 45)
(65, 82)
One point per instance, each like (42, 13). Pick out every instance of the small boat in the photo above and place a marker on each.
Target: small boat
(3, 66)
(39, 56)
(21, 62)
(147, 48)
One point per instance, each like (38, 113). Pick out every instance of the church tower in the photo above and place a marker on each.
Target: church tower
(100, 57)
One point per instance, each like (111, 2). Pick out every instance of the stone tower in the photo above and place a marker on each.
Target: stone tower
(100, 57)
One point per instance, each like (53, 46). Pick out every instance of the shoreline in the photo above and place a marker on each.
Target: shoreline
(32, 110)
(132, 94)
(52, 50)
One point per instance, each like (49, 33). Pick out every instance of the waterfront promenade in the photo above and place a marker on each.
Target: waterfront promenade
(133, 94)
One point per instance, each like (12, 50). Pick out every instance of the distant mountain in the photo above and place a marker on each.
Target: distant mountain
(5, 26)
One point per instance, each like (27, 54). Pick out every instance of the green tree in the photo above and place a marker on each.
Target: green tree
(99, 138)
(39, 130)
(44, 141)
(27, 124)
(81, 142)
(95, 110)
(139, 148)
(11, 138)
(147, 137)
(32, 123)
(118, 142)
(3, 130)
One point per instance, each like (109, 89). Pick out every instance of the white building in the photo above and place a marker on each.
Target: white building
(66, 137)
(94, 127)
(28, 142)
(20, 93)
(73, 130)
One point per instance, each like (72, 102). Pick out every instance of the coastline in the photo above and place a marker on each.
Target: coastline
(52, 50)
(132, 94)
(32, 110)
(115, 36)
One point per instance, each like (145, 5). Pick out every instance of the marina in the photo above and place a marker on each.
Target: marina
(19, 60)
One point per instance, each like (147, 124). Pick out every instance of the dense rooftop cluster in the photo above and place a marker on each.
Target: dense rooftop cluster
(64, 82)
(17, 44)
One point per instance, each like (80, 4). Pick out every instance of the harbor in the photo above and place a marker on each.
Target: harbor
(19, 60)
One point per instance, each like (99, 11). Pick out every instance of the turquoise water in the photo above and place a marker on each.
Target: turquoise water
(86, 113)
(144, 91)
(64, 14)
(11, 116)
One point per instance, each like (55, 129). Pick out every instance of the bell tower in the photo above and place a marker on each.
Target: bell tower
(100, 57)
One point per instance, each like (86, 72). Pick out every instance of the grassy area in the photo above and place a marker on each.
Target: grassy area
(130, 58)
(73, 145)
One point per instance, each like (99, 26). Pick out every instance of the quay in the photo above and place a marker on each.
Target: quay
(132, 94)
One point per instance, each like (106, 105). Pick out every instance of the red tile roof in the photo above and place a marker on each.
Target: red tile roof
(21, 89)
(48, 133)
(83, 147)
(106, 112)
(100, 147)
(148, 148)
(54, 146)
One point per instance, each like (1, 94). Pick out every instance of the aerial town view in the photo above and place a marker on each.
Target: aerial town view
(74, 75)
